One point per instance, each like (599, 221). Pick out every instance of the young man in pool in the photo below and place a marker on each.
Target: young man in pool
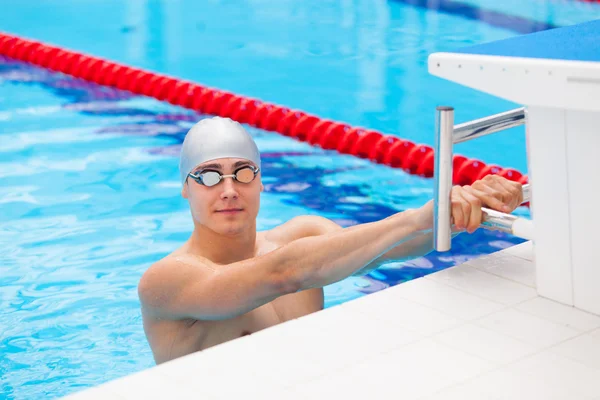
(228, 280)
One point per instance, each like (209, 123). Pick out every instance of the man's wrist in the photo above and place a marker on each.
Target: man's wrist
(423, 217)
(415, 219)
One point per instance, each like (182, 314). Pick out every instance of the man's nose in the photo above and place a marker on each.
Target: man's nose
(229, 188)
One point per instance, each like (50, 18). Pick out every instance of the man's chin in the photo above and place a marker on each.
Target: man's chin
(232, 229)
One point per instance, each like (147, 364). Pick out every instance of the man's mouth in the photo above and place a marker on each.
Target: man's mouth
(230, 210)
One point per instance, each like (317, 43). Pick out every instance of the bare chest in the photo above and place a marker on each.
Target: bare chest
(280, 310)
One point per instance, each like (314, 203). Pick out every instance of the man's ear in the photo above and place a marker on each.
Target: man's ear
(262, 187)
(184, 190)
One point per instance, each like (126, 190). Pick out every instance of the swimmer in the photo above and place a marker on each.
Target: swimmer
(228, 280)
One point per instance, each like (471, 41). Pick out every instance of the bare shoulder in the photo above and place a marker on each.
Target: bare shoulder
(301, 226)
(161, 282)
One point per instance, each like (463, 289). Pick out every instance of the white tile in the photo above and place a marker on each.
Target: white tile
(560, 313)
(527, 328)
(290, 353)
(425, 367)
(463, 391)
(522, 250)
(417, 369)
(310, 347)
(505, 384)
(344, 385)
(446, 299)
(215, 369)
(584, 348)
(485, 343)
(346, 336)
(507, 266)
(297, 393)
(389, 306)
(151, 384)
(285, 359)
(439, 359)
(581, 380)
(483, 284)
(95, 393)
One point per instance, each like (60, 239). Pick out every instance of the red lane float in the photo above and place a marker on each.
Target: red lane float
(385, 149)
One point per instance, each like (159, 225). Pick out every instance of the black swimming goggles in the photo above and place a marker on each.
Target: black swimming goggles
(245, 174)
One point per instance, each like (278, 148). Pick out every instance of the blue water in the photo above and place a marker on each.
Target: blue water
(89, 188)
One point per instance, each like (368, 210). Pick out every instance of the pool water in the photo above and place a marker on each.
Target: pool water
(89, 188)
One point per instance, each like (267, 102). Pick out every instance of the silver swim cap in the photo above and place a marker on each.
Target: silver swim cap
(214, 138)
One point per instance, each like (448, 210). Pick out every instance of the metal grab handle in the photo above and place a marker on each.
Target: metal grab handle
(512, 224)
(446, 135)
(507, 223)
(485, 126)
(526, 193)
(442, 171)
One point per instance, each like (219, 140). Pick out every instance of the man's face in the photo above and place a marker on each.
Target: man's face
(230, 206)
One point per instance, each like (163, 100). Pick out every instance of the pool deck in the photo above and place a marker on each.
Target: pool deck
(474, 331)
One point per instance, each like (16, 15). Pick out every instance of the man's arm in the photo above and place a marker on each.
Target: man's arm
(492, 191)
(419, 246)
(196, 288)
(416, 245)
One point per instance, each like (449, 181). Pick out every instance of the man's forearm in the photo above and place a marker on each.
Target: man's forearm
(321, 260)
(418, 246)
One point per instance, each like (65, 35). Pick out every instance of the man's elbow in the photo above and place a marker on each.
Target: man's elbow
(287, 281)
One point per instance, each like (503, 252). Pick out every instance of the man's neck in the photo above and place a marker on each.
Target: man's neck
(222, 249)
